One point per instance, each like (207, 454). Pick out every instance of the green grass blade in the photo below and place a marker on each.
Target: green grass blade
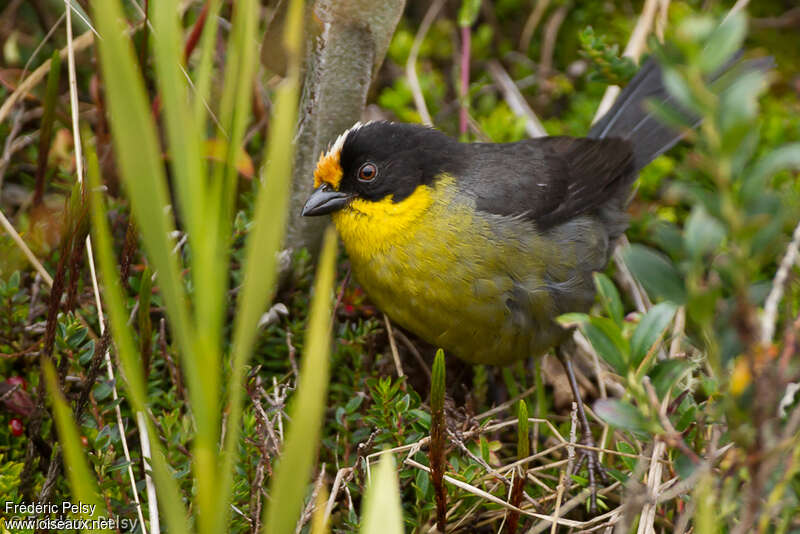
(289, 483)
(523, 434)
(210, 275)
(175, 512)
(205, 66)
(234, 113)
(383, 513)
(139, 159)
(183, 134)
(267, 235)
(117, 317)
(81, 478)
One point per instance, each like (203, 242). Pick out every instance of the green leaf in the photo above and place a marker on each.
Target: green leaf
(468, 13)
(383, 513)
(568, 320)
(785, 157)
(649, 329)
(81, 478)
(666, 373)
(102, 390)
(723, 43)
(609, 296)
(677, 87)
(625, 447)
(655, 272)
(606, 338)
(438, 383)
(703, 233)
(739, 107)
(138, 157)
(624, 415)
(523, 438)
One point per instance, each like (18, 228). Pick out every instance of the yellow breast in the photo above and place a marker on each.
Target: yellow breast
(460, 280)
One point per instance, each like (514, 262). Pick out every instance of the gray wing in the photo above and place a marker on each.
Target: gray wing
(549, 180)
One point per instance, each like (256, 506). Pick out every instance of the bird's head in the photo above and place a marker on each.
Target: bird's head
(379, 161)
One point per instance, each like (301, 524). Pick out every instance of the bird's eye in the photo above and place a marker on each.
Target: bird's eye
(367, 172)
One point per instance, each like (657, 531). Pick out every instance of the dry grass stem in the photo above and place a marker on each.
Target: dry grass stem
(411, 64)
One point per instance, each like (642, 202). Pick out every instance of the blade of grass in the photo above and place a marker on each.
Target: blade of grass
(81, 479)
(290, 480)
(438, 430)
(205, 67)
(139, 159)
(46, 133)
(183, 134)
(209, 276)
(265, 240)
(79, 196)
(234, 112)
(383, 513)
(175, 513)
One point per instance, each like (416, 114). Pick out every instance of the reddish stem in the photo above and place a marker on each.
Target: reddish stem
(466, 36)
(197, 31)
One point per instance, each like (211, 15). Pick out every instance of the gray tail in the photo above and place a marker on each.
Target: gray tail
(630, 119)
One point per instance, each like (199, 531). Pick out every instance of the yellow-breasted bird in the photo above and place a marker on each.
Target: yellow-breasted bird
(477, 247)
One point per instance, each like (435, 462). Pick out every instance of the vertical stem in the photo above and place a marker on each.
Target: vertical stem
(466, 37)
(436, 452)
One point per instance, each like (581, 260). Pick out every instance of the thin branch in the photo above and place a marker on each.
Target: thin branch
(531, 24)
(411, 64)
(8, 227)
(550, 35)
(395, 356)
(38, 75)
(770, 316)
(515, 100)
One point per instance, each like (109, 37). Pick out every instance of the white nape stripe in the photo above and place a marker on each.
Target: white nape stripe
(339, 143)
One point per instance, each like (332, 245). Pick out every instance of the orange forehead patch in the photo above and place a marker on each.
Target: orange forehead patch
(329, 169)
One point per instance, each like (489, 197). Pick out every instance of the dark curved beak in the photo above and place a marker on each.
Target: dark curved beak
(324, 200)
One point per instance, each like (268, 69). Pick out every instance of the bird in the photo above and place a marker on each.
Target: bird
(478, 247)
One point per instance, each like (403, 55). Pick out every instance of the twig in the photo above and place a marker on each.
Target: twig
(410, 346)
(627, 280)
(491, 498)
(411, 64)
(38, 75)
(397, 365)
(337, 482)
(312, 501)
(531, 24)
(16, 125)
(550, 35)
(501, 407)
(515, 100)
(648, 517)
(8, 227)
(770, 316)
(41, 44)
(677, 332)
(152, 497)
